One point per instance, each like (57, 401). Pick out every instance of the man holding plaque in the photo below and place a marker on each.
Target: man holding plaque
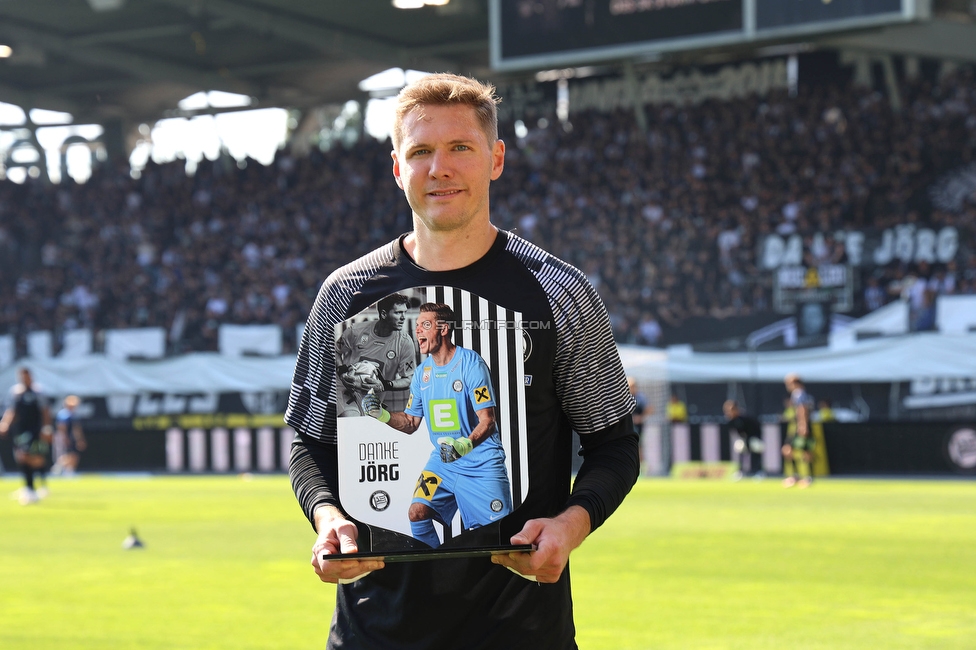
(452, 391)
(558, 371)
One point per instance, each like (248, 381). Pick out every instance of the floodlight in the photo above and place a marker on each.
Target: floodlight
(41, 116)
(417, 4)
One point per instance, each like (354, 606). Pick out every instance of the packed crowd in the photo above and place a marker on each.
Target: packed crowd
(666, 224)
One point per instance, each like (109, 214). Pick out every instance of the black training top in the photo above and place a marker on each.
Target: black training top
(573, 380)
(746, 425)
(28, 407)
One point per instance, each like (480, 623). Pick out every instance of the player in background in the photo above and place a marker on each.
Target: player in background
(750, 444)
(376, 355)
(823, 415)
(70, 438)
(677, 409)
(825, 411)
(27, 414)
(798, 449)
(452, 391)
(788, 429)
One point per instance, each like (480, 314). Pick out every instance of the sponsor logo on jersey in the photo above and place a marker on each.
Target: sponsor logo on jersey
(440, 375)
(496, 505)
(426, 486)
(457, 386)
(410, 400)
(363, 340)
(528, 380)
(481, 394)
(380, 501)
(426, 376)
(444, 415)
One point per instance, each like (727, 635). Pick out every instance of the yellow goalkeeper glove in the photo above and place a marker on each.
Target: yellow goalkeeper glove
(454, 448)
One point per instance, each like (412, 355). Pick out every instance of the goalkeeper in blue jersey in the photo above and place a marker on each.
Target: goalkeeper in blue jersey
(452, 392)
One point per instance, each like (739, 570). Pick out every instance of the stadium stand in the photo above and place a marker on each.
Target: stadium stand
(667, 223)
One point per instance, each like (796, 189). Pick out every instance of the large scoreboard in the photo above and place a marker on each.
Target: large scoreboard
(821, 15)
(528, 34)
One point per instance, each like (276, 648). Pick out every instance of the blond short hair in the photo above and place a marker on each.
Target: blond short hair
(447, 90)
(71, 401)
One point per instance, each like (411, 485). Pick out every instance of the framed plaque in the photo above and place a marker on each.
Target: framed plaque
(432, 451)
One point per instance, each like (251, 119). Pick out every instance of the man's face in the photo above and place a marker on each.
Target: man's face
(396, 317)
(444, 165)
(430, 335)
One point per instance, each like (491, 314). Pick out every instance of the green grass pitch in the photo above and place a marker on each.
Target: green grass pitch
(845, 564)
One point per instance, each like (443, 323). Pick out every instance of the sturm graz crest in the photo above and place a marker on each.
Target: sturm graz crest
(961, 448)
(379, 501)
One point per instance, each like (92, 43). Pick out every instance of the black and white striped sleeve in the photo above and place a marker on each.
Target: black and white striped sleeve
(313, 471)
(590, 385)
(590, 381)
(312, 400)
(313, 468)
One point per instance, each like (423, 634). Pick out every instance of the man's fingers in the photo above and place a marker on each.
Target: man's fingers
(530, 566)
(343, 571)
(338, 536)
(553, 540)
(347, 543)
(529, 533)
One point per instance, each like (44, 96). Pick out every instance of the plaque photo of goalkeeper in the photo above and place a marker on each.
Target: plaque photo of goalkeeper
(435, 469)
(376, 353)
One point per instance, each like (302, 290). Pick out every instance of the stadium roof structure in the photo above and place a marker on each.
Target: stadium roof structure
(102, 60)
(132, 61)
